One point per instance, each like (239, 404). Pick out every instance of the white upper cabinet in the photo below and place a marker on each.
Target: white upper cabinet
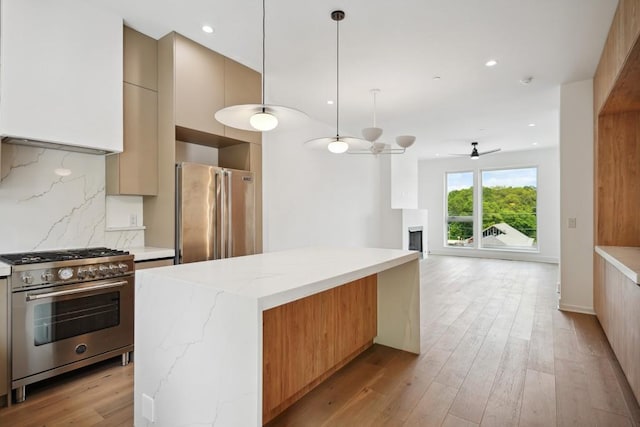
(61, 73)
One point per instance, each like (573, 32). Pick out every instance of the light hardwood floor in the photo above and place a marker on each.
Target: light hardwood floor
(495, 352)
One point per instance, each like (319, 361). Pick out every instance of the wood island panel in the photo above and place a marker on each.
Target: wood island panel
(307, 340)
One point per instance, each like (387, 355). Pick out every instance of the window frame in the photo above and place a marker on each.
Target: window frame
(478, 211)
(446, 209)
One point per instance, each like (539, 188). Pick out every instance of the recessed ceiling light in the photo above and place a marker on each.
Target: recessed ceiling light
(491, 63)
(437, 154)
(532, 125)
(330, 102)
(534, 143)
(436, 77)
(207, 29)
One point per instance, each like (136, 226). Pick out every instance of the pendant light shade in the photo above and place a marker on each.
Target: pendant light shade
(337, 144)
(372, 134)
(258, 117)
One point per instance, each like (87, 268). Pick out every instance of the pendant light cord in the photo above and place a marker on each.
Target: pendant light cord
(338, 79)
(374, 108)
(263, 49)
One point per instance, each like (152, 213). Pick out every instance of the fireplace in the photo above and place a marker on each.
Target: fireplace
(415, 239)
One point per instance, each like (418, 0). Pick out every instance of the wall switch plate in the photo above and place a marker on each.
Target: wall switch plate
(133, 220)
(147, 407)
(572, 223)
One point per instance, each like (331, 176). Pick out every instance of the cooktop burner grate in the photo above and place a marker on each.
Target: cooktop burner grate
(62, 255)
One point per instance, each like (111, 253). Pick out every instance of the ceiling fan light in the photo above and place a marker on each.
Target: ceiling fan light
(371, 134)
(263, 121)
(405, 141)
(338, 147)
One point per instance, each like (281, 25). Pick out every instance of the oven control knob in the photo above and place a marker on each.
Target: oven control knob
(113, 269)
(91, 271)
(82, 273)
(103, 270)
(123, 267)
(47, 276)
(27, 279)
(65, 273)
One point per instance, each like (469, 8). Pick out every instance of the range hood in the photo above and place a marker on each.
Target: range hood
(52, 145)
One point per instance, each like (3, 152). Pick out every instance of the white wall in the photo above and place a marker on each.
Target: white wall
(313, 197)
(432, 197)
(576, 189)
(404, 179)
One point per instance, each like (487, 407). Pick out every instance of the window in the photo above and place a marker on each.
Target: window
(509, 204)
(507, 219)
(460, 209)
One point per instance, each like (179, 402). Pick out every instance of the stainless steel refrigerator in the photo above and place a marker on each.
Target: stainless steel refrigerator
(215, 212)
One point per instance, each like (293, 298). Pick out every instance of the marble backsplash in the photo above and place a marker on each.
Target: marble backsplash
(42, 208)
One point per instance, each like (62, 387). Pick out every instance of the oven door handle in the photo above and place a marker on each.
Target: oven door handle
(34, 297)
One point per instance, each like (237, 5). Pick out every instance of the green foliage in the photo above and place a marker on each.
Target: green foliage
(515, 206)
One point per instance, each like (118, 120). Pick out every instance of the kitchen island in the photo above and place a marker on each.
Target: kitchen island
(207, 333)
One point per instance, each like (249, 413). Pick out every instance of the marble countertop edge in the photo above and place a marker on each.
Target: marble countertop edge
(149, 253)
(624, 258)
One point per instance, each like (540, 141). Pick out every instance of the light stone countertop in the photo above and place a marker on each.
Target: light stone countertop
(5, 269)
(149, 253)
(276, 278)
(624, 258)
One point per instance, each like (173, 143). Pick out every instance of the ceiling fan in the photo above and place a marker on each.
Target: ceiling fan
(475, 154)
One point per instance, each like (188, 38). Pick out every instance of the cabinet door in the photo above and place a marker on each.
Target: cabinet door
(140, 59)
(135, 170)
(242, 86)
(61, 73)
(199, 86)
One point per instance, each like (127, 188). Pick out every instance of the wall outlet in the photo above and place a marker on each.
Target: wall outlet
(147, 407)
(133, 220)
(572, 223)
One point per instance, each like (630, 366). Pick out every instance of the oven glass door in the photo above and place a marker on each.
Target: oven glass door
(56, 326)
(58, 320)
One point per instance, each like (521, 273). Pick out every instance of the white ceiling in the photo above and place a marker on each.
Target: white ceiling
(399, 47)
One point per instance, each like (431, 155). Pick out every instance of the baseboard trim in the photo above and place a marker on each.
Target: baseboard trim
(576, 309)
(506, 255)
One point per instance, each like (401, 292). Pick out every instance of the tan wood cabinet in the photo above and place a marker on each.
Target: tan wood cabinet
(135, 170)
(616, 299)
(199, 86)
(616, 88)
(140, 59)
(193, 83)
(307, 340)
(242, 86)
(153, 263)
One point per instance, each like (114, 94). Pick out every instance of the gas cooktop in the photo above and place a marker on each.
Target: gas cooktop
(61, 255)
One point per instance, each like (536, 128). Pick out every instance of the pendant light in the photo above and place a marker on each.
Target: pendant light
(337, 144)
(372, 134)
(258, 117)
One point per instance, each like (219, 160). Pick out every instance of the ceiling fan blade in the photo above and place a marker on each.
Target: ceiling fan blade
(458, 154)
(481, 153)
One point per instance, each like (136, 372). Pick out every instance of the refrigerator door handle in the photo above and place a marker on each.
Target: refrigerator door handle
(217, 210)
(229, 239)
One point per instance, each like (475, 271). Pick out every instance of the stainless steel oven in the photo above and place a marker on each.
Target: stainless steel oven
(68, 314)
